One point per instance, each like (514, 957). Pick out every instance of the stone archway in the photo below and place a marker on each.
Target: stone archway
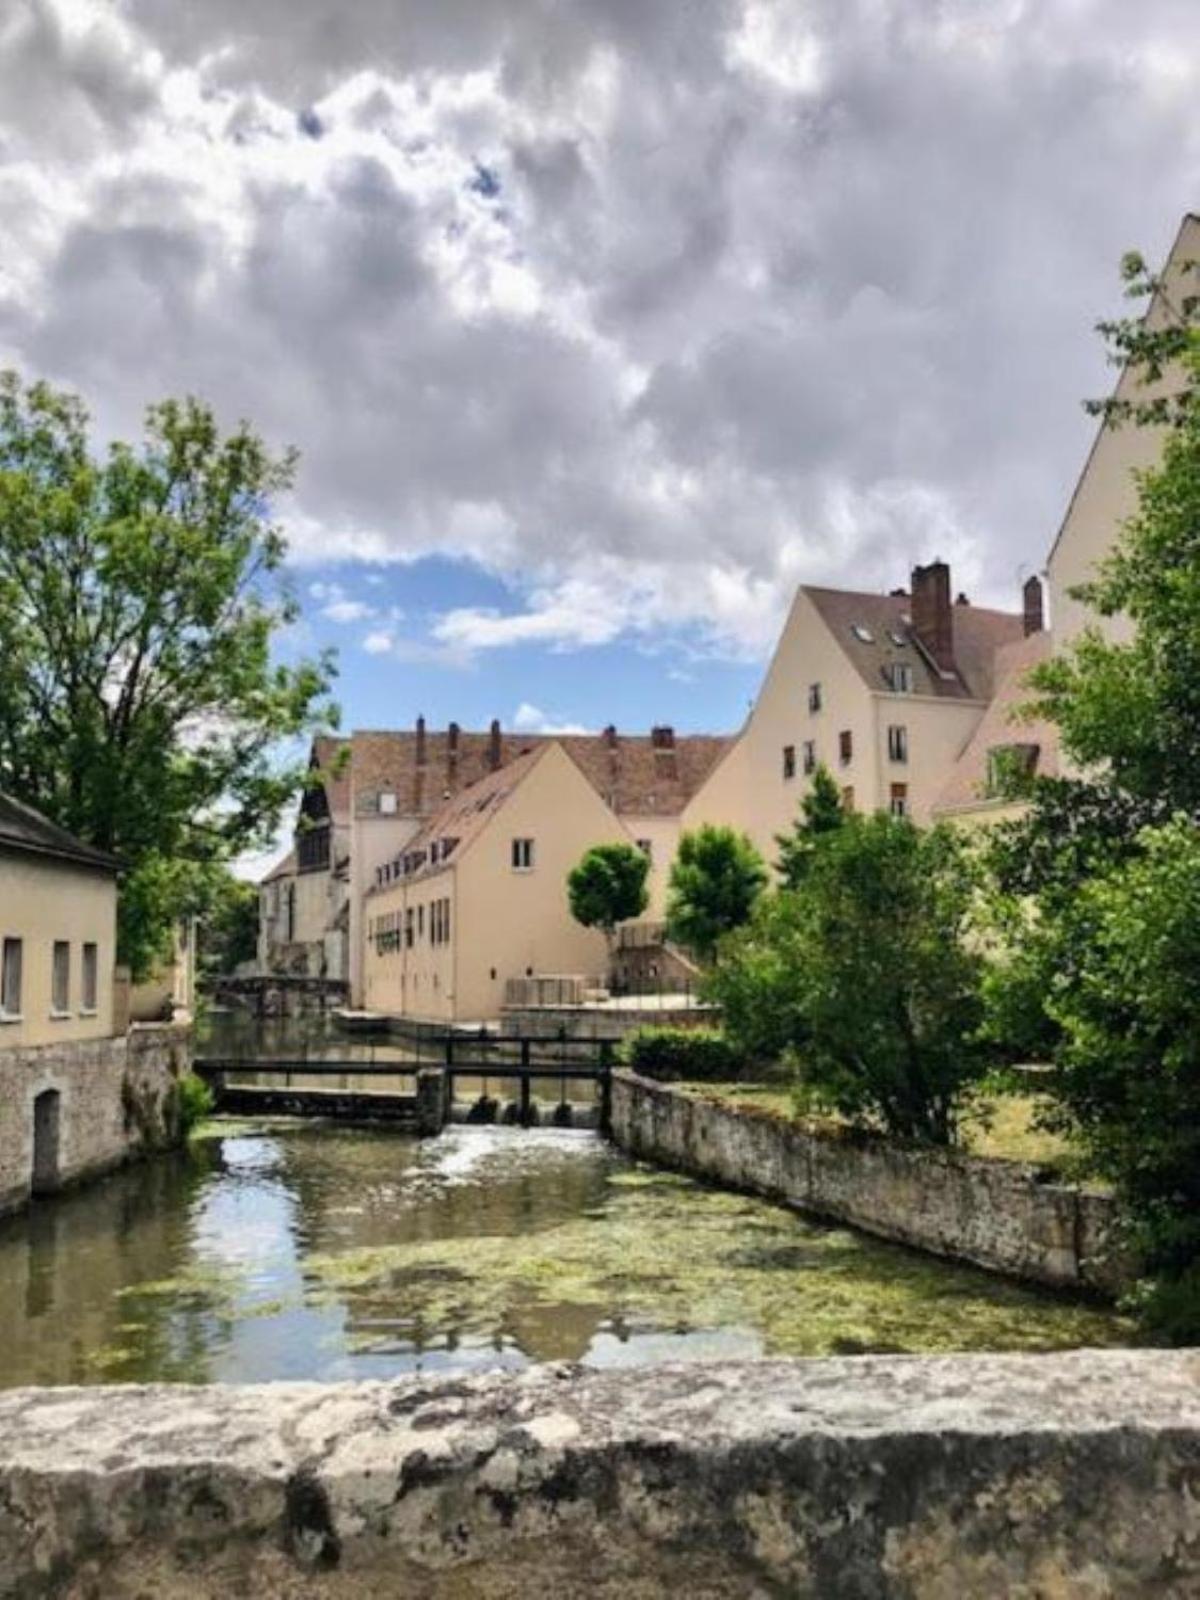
(46, 1132)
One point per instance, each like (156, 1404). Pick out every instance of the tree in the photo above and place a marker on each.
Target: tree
(140, 706)
(888, 982)
(716, 877)
(229, 932)
(608, 886)
(757, 982)
(821, 813)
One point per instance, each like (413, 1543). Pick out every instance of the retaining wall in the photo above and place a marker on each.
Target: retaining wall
(998, 1214)
(874, 1478)
(117, 1098)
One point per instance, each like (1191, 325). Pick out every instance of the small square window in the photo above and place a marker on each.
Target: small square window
(814, 697)
(10, 979)
(897, 744)
(789, 761)
(60, 978)
(845, 747)
(899, 800)
(91, 973)
(387, 803)
(810, 757)
(522, 855)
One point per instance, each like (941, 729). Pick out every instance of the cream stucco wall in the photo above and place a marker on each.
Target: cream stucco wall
(1106, 493)
(374, 841)
(662, 834)
(502, 921)
(42, 901)
(938, 732)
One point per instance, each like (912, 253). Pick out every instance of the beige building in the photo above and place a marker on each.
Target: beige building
(478, 896)
(885, 690)
(58, 932)
(304, 914)
(1106, 494)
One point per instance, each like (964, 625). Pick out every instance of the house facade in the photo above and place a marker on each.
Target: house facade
(58, 932)
(478, 896)
(883, 690)
(303, 911)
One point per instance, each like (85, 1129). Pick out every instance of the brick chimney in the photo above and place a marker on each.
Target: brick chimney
(420, 741)
(451, 758)
(610, 737)
(494, 745)
(932, 613)
(1033, 603)
(662, 738)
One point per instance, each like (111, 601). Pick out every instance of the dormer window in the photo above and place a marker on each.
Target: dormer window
(899, 677)
(862, 633)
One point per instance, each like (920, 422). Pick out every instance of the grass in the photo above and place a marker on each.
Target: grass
(1003, 1128)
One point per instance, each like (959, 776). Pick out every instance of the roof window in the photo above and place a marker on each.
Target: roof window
(862, 633)
(898, 639)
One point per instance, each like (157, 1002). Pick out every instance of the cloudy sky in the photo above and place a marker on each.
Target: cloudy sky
(599, 324)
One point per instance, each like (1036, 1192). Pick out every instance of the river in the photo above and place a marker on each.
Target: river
(274, 1250)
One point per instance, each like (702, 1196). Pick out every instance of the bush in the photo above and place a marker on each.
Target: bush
(757, 982)
(715, 880)
(196, 1101)
(702, 1055)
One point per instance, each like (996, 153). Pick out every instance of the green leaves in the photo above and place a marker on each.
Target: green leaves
(139, 597)
(608, 886)
(716, 877)
(821, 812)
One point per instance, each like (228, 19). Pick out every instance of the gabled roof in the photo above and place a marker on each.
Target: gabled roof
(464, 817)
(1000, 725)
(633, 774)
(25, 830)
(978, 634)
(282, 869)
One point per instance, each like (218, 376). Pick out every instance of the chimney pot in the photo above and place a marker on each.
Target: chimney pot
(663, 738)
(452, 736)
(420, 741)
(494, 745)
(610, 736)
(962, 599)
(932, 613)
(1033, 598)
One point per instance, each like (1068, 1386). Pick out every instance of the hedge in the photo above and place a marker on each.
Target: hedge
(672, 1054)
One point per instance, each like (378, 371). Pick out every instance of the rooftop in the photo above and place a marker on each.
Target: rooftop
(25, 830)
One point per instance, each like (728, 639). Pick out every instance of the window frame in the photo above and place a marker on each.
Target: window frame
(897, 737)
(60, 978)
(814, 697)
(845, 747)
(12, 954)
(898, 802)
(789, 762)
(809, 757)
(523, 855)
(89, 978)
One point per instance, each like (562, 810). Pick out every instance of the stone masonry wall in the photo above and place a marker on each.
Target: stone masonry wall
(998, 1214)
(1067, 1477)
(117, 1098)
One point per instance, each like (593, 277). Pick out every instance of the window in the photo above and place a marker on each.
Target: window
(522, 855)
(899, 800)
(646, 846)
(90, 978)
(446, 905)
(897, 639)
(387, 803)
(60, 979)
(789, 761)
(848, 799)
(861, 633)
(810, 757)
(312, 850)
(899, 676)
(897, 744)
(814, 697)
(420, 922)
(845, 747)
(10, 979)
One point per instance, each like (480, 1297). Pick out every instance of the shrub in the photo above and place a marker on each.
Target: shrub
(757, 983)
(715, 880)
(690, 1054)
(196, 1101)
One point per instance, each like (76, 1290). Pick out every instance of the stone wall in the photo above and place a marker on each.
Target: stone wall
(116, 1099)
(998, 1214)
(874, 1478)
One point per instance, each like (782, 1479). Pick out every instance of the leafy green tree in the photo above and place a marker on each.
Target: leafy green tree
(758, 981)
(608, 886)
(716, 877)
(889, 984)
(140, 592)
(821, 813)
(229, 930)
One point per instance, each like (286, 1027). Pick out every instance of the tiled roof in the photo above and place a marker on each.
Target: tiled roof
(466, 815)
(633, 774)
(26, 830)
(978, 634)
(327, 748)
(282, 869)
(999, 725)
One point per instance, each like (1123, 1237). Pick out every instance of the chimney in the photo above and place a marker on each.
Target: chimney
(962, 599)
(932, 613)
(610, 737)
(451, 758)
(1032, 596)
(494, 745)
(452, 738)
(420, 741)
(662, 738)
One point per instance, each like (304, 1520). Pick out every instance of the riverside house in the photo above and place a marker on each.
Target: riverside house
(58, 932)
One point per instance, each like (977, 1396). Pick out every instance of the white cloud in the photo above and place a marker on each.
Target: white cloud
(379, 643)
(532, 719)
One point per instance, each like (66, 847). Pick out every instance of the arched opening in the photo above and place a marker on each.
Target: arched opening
(45, 1141)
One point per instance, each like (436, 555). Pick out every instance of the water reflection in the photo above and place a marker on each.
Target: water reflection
(294, 1250)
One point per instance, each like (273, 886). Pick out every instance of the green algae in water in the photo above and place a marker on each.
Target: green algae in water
(671, 1254)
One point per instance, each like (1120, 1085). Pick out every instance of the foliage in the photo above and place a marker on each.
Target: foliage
(608, 886)
(229, 926)
(139, 596)
(715, 880)
(670, 1054)
(196, 1101)
(890, 987)
(821, 813)
(757, 982)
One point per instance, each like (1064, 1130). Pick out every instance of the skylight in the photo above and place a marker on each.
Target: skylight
(861, 633)
(897, 639)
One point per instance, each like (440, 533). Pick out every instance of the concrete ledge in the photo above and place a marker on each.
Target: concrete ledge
(1003, 1215)
(933, 1478)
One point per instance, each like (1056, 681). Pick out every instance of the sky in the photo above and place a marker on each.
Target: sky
(599, 325)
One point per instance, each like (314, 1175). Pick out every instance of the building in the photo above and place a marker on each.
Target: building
(885, 690)
(58, 932)
(1106, 494)
(303, 922)
(478, 896)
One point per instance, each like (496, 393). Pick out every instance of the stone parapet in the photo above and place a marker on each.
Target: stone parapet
(918, 1478)
(1002, 1215)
